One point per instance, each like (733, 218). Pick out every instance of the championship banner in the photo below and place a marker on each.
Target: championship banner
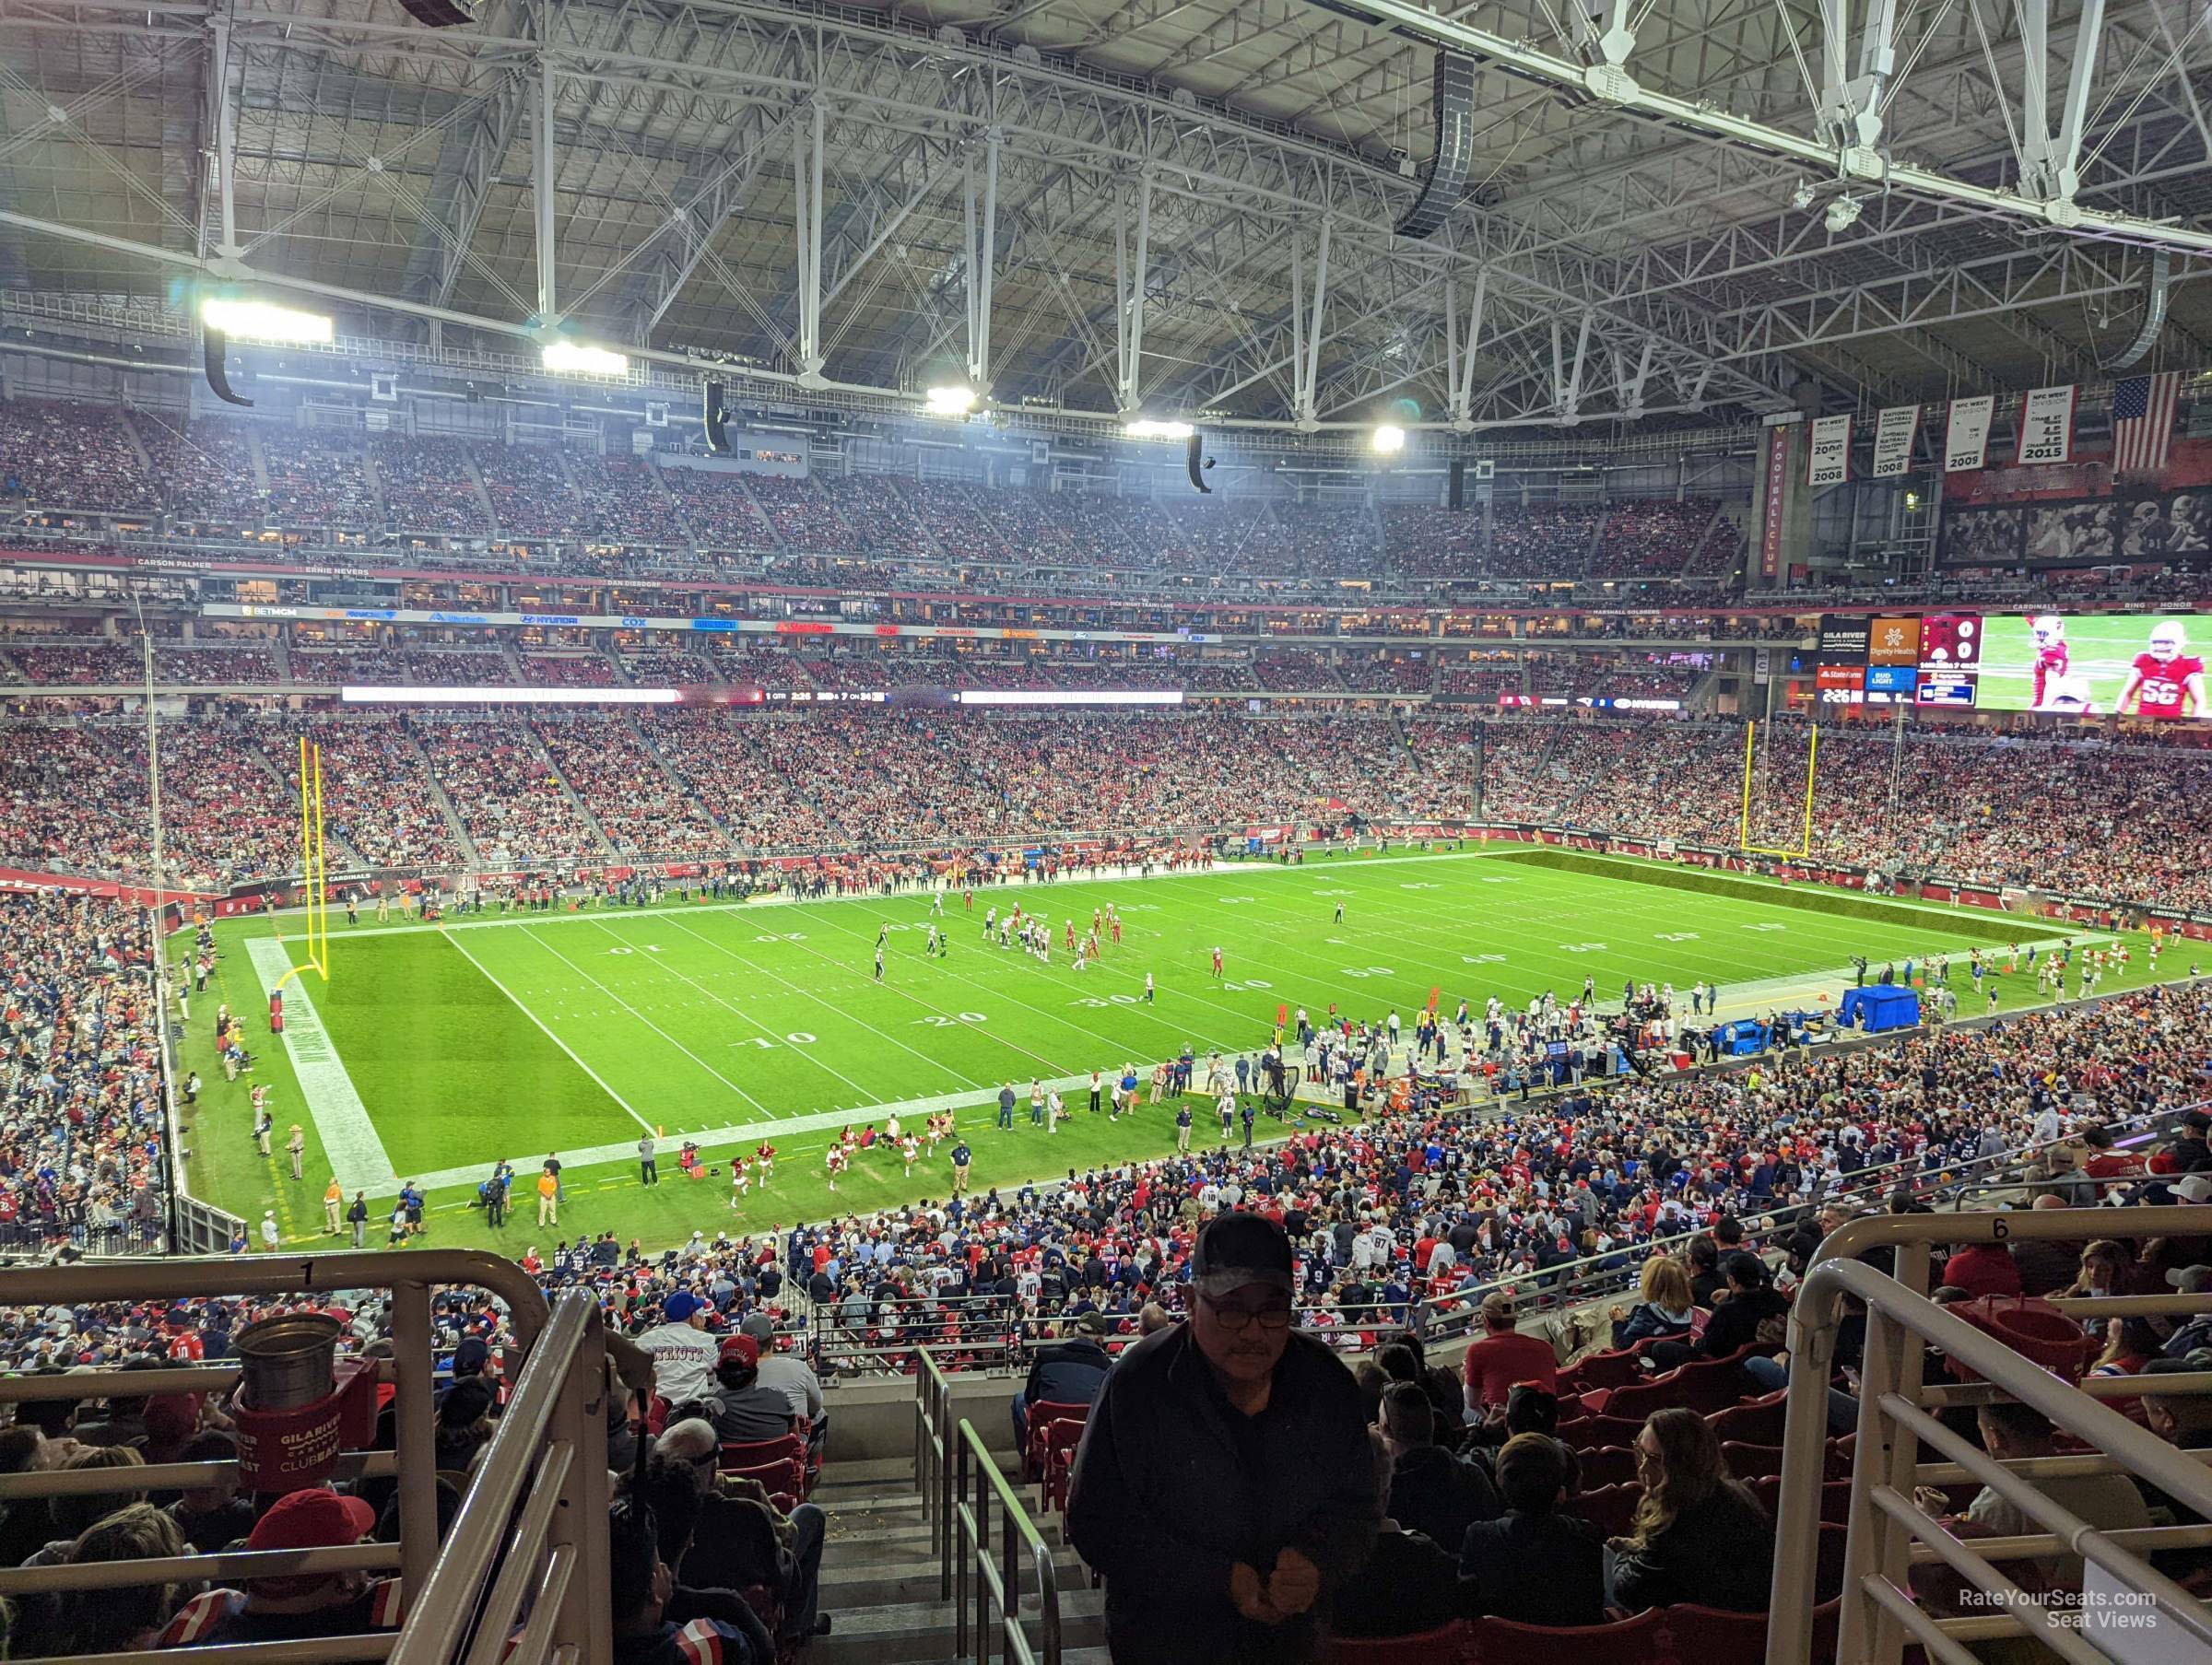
(1778, 479)
(1965, 441)
(1893, 436)
(1828, 459)
(2047, 425)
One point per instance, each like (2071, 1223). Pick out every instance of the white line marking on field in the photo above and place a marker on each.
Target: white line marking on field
(348, 1137)
(640, 1017)
(548, 1033)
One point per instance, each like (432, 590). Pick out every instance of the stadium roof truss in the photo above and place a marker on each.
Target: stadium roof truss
(1183, 206)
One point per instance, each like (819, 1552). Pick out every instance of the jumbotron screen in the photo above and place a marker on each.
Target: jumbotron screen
(2082, 666)
(2131, 663)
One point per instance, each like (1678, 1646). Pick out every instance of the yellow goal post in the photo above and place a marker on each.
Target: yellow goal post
(313, 871)
(1812, 758)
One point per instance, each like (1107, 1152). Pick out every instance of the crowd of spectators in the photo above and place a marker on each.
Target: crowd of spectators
(430, 487)
(514, 805)
(214, 664)
(529, 488)
(82, 1141)
(640, 809)
(42, 663)
(70, 457)
(1708, 1194)
(318, 479)
(1651, 539)
(623, 502)
(719, 510)
(2094, 819)
(568, 671)
(379, 799)
(205, 470)
(802, 513)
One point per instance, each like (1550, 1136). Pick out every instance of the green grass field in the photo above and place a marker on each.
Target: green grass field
(2100, 651)
(432, 1052)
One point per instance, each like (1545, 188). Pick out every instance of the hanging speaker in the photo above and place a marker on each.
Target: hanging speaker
(1199, 462)
(712, 414)
(1453, 84)
(215, 347)
(1459, 483)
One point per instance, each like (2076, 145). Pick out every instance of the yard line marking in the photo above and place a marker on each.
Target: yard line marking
(661, 963)
(334, 1104)
(754, 1131)
(831, 1005)
(640, 1017)
(1030, 1005)
(550, 1035)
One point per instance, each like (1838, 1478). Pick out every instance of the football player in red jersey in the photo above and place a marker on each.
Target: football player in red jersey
(2047, 632)
(2170, 678)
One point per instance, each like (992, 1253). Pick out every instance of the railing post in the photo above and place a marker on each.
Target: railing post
(1009, 1576)
(956, 1546)
(579, 1420)
(412, 1415)
(980, 1551)
(947, 1492)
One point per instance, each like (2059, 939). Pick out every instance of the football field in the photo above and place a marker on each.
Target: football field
(434, 1051)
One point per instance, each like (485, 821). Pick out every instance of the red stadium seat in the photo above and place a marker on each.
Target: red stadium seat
(1442, 1647)
(1835, 1498)
(1705, 1385)
(785, 1481)
(1646, 1639)
(1599, 1371)
(1053, 1450)
(739, 1454)
(1608, 1509)
(1041, 1416)
(1593, 1431)
(1755, 1423)
(1712, 1637)
(1608, 1465)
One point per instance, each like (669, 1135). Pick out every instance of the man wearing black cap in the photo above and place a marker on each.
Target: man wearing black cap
(1225, 1483)
(2190, 1153)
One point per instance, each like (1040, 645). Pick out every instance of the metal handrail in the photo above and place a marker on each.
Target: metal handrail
(552, 1438)
(997, 1584)
(933, 1463)
(1878, 1611)
(409, 1278)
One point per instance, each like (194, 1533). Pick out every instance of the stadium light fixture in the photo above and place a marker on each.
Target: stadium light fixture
(1388, 440)
(1843, 214)
(1803, 197)
(1144, 427)
(576, 358)
(243, 320)
(949, 401)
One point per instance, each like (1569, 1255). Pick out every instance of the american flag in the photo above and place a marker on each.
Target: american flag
(2143, 422)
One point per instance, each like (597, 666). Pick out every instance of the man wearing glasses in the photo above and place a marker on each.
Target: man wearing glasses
(1225, 1483)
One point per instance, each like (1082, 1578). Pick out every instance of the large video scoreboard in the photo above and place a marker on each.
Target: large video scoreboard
(2087, 664)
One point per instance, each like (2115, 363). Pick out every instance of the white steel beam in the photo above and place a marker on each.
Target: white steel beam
(1131, 275)
(541, 191)
(1614, 86)
(983, 258)
(223, 109)
(806, 218)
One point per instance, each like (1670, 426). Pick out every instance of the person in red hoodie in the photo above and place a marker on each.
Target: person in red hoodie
(1982, 1268)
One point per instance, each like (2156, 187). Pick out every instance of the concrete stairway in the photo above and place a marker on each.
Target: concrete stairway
(879, 1580)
